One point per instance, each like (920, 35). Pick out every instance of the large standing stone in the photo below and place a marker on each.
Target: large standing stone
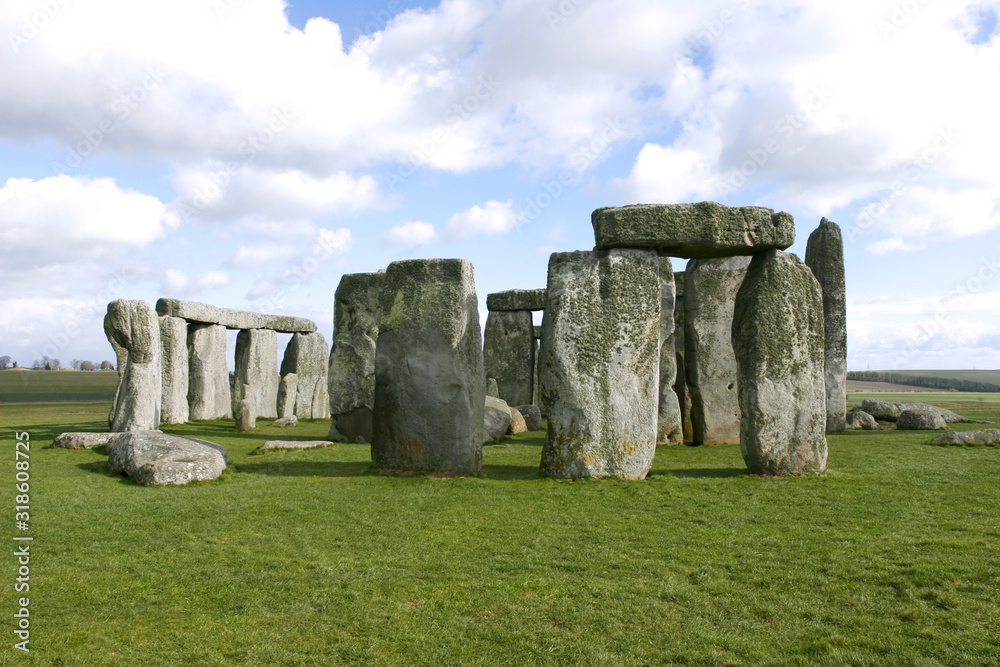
(257, 368)
(779, 343)
(121, 355)
(669, 430)
(351, 372)
(710, 294)
(430, 388)
(193, 311)
(509, 354)
(825, 256)
(209, 396)
(135, 327)
(680, 384)
(174, 370)
(308, 357)
(600, 363)
(700, 230)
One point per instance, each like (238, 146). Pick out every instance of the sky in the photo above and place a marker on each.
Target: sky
(248, 153)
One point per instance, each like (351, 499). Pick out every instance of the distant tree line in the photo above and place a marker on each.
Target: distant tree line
(47, 363)
(923, 381)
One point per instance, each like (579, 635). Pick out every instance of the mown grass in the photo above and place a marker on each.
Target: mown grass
(29, 386)
(310, 557)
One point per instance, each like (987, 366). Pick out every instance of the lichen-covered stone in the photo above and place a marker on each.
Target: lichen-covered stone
(920, 420)
(701, 230)
(209, 395)
(858, 419)
(825, 256)
(532, 416)
(285, 422)
(509, 353)
(307, 356)
(193, 311)
(295, 444)
(257, 371)
(121, 355)
(986, 436)
(152, 457)
(173, 370)
(711, 286)
(778, 339)
(288, 389)
(516, 299)
(82, 440)
(599, 368)
(133, 325)
(669, 430)
(890, 410)
(492, 388)
(429, 380)
(496, 419)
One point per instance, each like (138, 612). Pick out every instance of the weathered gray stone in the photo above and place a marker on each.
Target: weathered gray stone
(986, 436)
(535, 386)
(858, 419)
(135, 327)
(532, 416)
(209, 395)
(121, 355)
(701, 230)
(825, 256)
(194, 311)
(82, 440)
(669, 430)
(890, 410)
(288, 389)
(173, 370)
(429, 379)
(492, 388)
(285, 422)
(257, 371)
(295, 444)
(152, 457)
(509, 353)
(516, 299)
(351, 371)
(947, 415)
(308, 357)
(599, 368)
(246, 410)
(496, 419)
(778, 339)
(920, 420)
(711, 286)
(680, 383)
(517, 423)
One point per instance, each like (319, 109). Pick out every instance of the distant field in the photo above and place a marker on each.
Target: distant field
(961, 380)
(22, 386)
(861, 385)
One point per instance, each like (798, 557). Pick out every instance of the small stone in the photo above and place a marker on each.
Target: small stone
(295, 444)
(82, 440)
(287, 391)
(532, 416)
(517, 424)
(920, 420)
(492, 388)
(986, 436)
(152, 457)
(246, 417)
(516, 299)
(285, 422)
(496, 419)
(858, 419)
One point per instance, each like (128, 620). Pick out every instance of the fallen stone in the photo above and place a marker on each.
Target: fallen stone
(173, 370)
(308, 357)
(532, 416)
(135, 327)
(497, 416)
(858, 419)
(194, 311)
(517, 423)
(152, 457)
(920, 420)
(669, 430)
(209, 395)
(825, 257)
(288, 389)
(778, 339)
(82, 440)
(257, 371)
(509, 353)
(986, 436)
(295, 444)
(699, 231)
(890, 410)
(947, 415)
(599, 366)
(285, 422)
(516, 299)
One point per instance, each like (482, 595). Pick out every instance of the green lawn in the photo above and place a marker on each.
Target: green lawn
(24, 386)
(309, 557)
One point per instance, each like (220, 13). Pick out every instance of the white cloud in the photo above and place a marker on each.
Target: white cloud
(411, 234)
(493, 218)
(177, 283)
(254, 256)
(33, 327)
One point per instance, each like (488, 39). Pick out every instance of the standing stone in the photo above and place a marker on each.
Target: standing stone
(711, 286)
(430, 388)
(257, 371)
(121, 355)
(778, 338)
(669, 430)
(308, 357)
(246, 410)
(133, 325)
(174, 370)
(351, 369)
(509, 353)
(600, 363)
(209, 396)
(825, 256)
(288, 388)
(680, 384)
(535, 387)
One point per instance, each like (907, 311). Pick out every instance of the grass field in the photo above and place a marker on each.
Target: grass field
(311, 558)
(24, 386)
(978, 375)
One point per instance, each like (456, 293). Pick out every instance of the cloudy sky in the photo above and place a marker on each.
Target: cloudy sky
(247, 153)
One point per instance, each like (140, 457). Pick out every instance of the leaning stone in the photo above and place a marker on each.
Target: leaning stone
(308, 357)
(429, 378)
(82, 440)
(194, 311)
(285, 422)
(209, 395)
(174, 370)
(152, 457)
(135, 327)
(492, 388)
(257, 371)
(516, 299)
(825, 256)
(517, 423)
(295, 444)
(669, 430)
(859, 419)
(920, 420)
(700, 231)
(497, 416)
(986, 436)
(599, 368)
(509, 353)
(246, 416)
(288, 389)
(778, 340)
(711, 286)
(532, 416)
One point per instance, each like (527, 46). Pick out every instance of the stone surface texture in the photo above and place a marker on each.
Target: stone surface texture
(82, 440)
(825, 257)
(669, 430)
(778, 339)
(890, 410)
(492, 388)
(680, 383)
(152, 457)
(209, 394)
(173, 370)
(257, 371)
(600, 363)
(288, 389)
(699, 231)
(517, 423)
(308, 357)
(295, 444)
(194, 311)
(516, 299)
(285, 422)
(920, 420)
(496, 419)
(429, 379)
(859, 419)
(509, 354)
(246, 410)
(135, 327)
(532, 416)
(710, 292)
(986, 436)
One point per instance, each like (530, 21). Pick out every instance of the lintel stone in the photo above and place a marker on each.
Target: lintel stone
(516, 299)
(193, 311)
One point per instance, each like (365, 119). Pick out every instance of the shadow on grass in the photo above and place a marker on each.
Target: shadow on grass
(307, 468)
(101, 468)
(701, 473)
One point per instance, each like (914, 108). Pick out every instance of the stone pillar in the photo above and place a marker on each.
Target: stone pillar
(669, 430)
(257, 368)
(535, 384)
(680, 385)
(174, 370)
(600, 363)
(351, 368)
(710, 294)
(430, 391)
(134, 327)
(779, 340)
(308, 356)
(209, 396)
(825, 256)
(509, 354)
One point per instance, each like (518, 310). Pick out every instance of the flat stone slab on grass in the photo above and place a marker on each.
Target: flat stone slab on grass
(295, 444)
(82, 440)
(194, 311)
(516, 299)
(155, 458)
(986, 436)
(920, 420)
(699, 231)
